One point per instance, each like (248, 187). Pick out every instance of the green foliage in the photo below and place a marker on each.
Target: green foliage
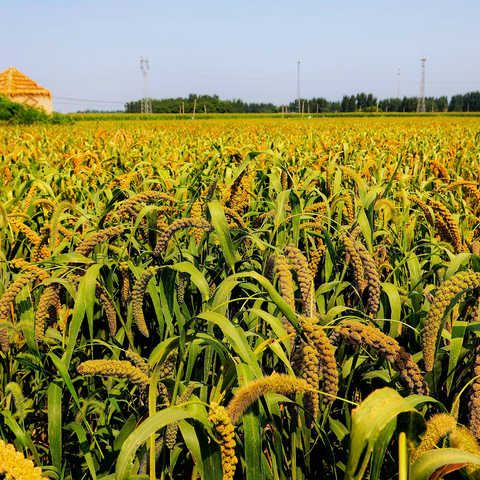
(368, 421)
(21, 113)
(469, 102)
(204, 103)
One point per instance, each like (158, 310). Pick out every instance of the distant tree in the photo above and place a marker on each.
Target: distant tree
(133, 107)
(409, 104)
(352, 103)
(349, 103)
(456, 104)
(442, 103)
(396, 105)
(371, 100)
(391, 105)
(471, 102)
(361, 101)
(322, 104)
(430, 104)
(335, 106)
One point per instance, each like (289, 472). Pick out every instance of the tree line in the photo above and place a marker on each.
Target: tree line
(362, 102)
(204, 103)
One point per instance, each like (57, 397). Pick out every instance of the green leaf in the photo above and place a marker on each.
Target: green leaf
(429, 462)
(191, 441)
(277, 299)
(368, 420)
(84, 446)
(421, 399)
(142, 433)
(456, 263)
(22, 436)
(90, 279)
(281, 215)
(223, 233)
(55, 423)
(26, 311)
(392, 178)
(333, 312)
(275, 324)
(380, 448)
(251, 429)
(62, 369)
(66, 258)
(197, 278)
(234, 336)
(112, 453)
(296, 215)
(367, 231)
(241, 168)
(210, 454)
(338, 428)
(76, 323)
(456, 344)
(395, 306)
(156, 295)
(414, 426)
(222, 295)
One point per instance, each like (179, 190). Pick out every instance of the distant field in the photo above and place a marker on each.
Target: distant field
(241, 296)
(219, 116)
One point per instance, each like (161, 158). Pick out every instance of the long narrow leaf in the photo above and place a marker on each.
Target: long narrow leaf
(55, 423)
(142, 433)
(221, 229)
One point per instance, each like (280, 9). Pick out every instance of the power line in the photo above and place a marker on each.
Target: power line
(69, 99)
(85, 100)
(291, 80)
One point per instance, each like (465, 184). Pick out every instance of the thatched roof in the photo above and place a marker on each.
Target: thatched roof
(13, 83)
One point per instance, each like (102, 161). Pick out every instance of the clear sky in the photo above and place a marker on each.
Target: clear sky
(90, 51)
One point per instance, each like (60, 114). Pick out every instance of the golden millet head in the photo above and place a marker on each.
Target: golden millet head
(445, 294)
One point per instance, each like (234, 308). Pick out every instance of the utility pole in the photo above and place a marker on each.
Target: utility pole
(194, 108)
(146, 106)
(421, 98)
(298, 87)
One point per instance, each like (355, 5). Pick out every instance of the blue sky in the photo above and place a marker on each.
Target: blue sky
(90, 50)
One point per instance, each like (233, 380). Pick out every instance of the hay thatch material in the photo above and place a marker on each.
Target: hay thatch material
(15, 83)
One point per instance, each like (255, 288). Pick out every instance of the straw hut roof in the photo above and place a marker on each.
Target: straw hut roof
(15, 83)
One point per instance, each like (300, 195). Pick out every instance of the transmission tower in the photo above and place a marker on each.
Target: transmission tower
(298, 88)
(421, 98)
(146, 100)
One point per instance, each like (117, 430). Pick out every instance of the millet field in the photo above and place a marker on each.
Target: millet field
(240, 299)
